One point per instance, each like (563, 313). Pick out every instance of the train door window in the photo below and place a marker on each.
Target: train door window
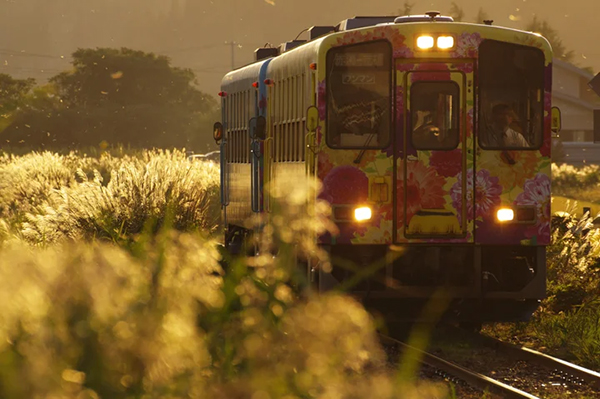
(279, 119)
(359, 84)
(242, 125)
(286, 119)
(237, 127)
(303, 106)
(230, 111)
(511, 95)
(238, 116)
(281, 102)
(290, 117)
(434, 108)
(247, 111)
(234, 128)
(290, 143)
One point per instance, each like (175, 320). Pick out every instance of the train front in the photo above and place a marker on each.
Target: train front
(434, 153)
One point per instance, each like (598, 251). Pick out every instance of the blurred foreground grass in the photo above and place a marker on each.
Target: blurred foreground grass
(156, 316)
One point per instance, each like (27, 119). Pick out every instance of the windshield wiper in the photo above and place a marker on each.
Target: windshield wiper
(362, 152)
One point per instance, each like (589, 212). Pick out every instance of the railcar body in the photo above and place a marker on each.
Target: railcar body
(440, 130)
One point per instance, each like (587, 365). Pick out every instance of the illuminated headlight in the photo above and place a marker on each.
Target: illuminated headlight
(425, 42)
(445, 42)
(505, 215)
(363, 213)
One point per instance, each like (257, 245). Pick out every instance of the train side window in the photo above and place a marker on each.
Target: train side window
(511, 95)
(434, 108)
(359, 84)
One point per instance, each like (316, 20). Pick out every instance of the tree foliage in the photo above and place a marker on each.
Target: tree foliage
(12, 94)
(118, 96)
(543, 27)
(406, 8)
(126, 77)
(481, 16)
(457, 12)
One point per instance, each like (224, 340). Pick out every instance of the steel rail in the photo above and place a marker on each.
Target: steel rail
(561, 366)
(472, 378)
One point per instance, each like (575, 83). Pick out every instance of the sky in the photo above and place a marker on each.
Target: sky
(37, 36)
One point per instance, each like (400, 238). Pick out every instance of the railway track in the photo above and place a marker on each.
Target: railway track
(517, 372)
(569, 371)
(474, 379)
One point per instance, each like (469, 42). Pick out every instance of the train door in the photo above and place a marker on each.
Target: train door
(434, 169)
(259, 147)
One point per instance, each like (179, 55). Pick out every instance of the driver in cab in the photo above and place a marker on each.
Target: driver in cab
(500, 133)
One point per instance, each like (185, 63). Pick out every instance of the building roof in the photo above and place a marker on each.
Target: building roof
(567, 65)
(574, 100)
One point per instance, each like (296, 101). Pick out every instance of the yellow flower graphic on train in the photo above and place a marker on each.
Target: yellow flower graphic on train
(511, 167)
(381, 234)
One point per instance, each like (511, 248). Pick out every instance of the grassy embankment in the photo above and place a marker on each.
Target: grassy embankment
(568, 323)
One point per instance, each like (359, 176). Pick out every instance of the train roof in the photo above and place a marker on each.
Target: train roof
(243, 76)
(318, 33)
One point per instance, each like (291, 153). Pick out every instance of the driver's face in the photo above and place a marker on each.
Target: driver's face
(503, 118)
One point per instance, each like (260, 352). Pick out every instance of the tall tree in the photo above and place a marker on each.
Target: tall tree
(457, 12)
(543, 27)
(481, 16)
(12, 92)
(406, 8)
(124, 77)
(119, 96)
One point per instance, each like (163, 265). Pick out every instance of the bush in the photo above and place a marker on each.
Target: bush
(575, 182)
(48, 197)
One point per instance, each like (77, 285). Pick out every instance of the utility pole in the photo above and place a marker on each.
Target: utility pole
(232, 44)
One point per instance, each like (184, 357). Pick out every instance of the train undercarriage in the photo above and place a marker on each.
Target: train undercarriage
(472, 283)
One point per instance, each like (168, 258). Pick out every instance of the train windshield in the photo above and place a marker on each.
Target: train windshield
(359, 84)
(511, 109)
(434, 108)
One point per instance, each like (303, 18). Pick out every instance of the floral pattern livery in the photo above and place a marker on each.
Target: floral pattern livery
(469, 182)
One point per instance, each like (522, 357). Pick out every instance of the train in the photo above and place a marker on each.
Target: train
(432, 141)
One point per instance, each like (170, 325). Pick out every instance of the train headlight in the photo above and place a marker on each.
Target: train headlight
(362, 213)
(505, 215)
(425, 42)
(445, 42)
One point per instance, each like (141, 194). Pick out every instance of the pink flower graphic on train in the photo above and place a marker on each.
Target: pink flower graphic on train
(487, 193)
(536, 192)
(324, 165)
(424, 189)
(402, 67)
(345, 185)
(351, 37)
(399, 102)
(447, 163)
(403, 51)
(466, 67)
(322, 99)
(429, 71)
(546, 149)
(467, 45)
(470, 119)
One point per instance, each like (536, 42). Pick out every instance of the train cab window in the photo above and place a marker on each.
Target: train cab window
(359, 84)
(434, 108)
(511, 96)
